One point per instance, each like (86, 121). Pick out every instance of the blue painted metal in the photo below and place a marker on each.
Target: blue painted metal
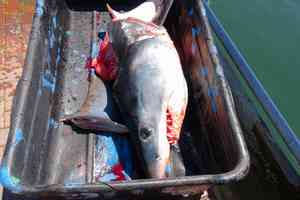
(40, 7)
(196, 31)
(19, 136)
(288, 135)
(8, 181)
(48, 81)
(57, 57)
(212, 93)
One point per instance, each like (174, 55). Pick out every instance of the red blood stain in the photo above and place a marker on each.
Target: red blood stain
(118, 172)
(174, 123)
(106, 63)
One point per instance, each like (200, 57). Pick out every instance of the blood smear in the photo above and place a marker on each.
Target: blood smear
(106, 63)
(174, 123)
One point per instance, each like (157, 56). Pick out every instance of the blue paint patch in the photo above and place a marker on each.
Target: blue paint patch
(57, 57)
(204, 71)
(8, 181)
(48, 84)
(203, 11)
(101, 35)
(191, 12)
(95, 50)
(127, 177)
(40, 7)
(212, 93)
(39, 92)
(115, 150)
(54, 21)
(168, 169)
(113, 158)
(51, 37)
(48, 81)
(49, 57)
(108, 177)
(19, 136)
(194, 47)
(125, 155)
(52, 123)
(196, 31)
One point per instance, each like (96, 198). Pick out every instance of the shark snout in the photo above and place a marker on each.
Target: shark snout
(156, 151)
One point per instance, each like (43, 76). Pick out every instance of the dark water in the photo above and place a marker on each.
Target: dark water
(268, 34)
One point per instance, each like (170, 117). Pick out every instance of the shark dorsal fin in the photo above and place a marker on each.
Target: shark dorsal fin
(145, 12)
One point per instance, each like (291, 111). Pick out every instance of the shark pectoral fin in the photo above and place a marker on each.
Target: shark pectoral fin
(106, 124)
(70, 117)
(100, 122)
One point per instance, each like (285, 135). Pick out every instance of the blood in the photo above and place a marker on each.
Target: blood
(106, 63)
(174, 123)
(118, 172)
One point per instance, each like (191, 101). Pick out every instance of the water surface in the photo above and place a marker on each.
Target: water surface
(268, 34)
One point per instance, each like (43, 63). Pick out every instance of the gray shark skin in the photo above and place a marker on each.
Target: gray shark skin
(149, 81)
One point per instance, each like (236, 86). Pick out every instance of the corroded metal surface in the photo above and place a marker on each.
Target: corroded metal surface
(15, 25)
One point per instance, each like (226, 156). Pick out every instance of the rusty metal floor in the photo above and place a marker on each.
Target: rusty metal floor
(15, 25)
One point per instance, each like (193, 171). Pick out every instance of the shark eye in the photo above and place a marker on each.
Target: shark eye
(145, 133)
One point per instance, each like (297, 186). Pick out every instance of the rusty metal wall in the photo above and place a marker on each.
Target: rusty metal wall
(15, 25)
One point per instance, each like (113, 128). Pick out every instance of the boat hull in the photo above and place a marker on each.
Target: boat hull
(46, 158)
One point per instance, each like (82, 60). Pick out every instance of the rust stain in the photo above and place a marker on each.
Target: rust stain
(15, 26)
